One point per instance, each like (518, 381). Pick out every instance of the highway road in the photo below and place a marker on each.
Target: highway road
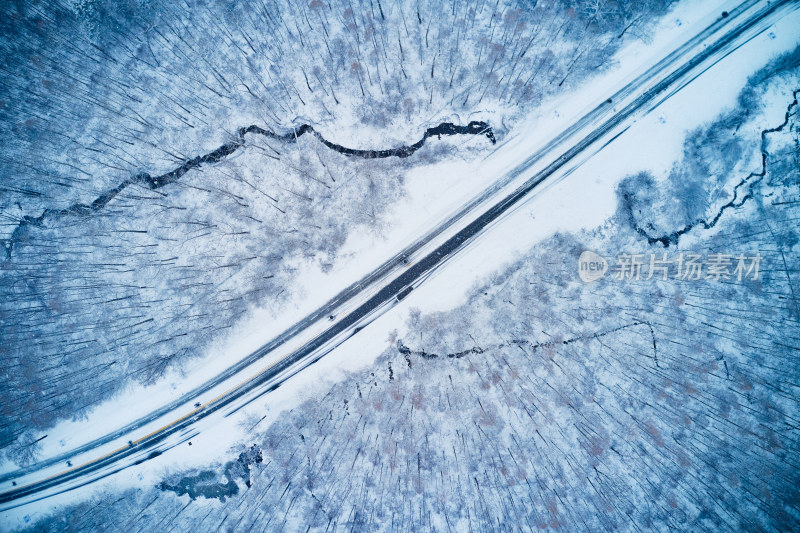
(359, 304)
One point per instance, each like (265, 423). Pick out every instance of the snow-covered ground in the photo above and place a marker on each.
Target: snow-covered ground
(434, 192)
(584, 200)
(149, 94)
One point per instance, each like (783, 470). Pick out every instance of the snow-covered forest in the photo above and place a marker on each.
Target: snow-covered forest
(172, 167)
(544, 402)
(108, 273)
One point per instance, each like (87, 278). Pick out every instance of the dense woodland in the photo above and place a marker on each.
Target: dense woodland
(104, 275)
(545, 402)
